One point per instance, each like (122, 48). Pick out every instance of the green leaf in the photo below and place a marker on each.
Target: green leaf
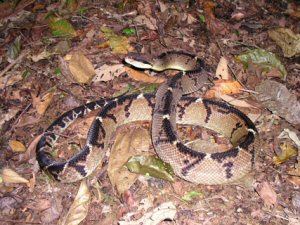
(262, 58)
(61, 28)
(129, 31)
(189, 196)
(150, 166)
(202, 18)
(57, 71)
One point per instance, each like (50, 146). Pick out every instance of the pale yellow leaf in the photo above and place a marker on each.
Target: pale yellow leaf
(10, 176)
(287, 151)
(79, 208)
(16, 146)
(81, 68)
(222, 70)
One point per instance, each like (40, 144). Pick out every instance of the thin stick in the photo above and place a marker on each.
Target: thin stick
(19, 221)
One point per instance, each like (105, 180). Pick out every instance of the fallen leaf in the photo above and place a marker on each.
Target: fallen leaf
(165, 211)
(61, 27)
(222, 69)
(278, 99)
(6, 116)
(41, 104)
(10, 176)
(150, 166)
(148, 21)
(79, 208)
(224, 87)
(126, 145)
(287, 40)
(108, 72)
(287, 151)
(81, 68)
(268, 194)
(42, 55)
(14, 49)
(287, 133)
(140, 76)
(263, 59)
(119, 44)
(16, 146)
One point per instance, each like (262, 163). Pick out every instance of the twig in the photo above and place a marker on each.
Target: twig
(19, 59)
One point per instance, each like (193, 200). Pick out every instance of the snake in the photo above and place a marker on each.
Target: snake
(172, 105)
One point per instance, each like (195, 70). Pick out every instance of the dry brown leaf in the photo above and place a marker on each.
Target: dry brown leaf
(4, 117)
(125, 146)
(268, 194)
(10, 176)
(222, 69)
(295, 175)
(16, 146)
(108, 72)
(224, 87)
(140, 76)
(41, 104)
(81, 68)
(79, 208)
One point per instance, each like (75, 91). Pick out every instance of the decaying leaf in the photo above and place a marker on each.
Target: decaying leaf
(108, 72)
(10, 176)
(262, 58)
(127, 144)
(79, 208)
(140, 76)
(81, 68)
(61, 27)
(287, 151)
(148, 21)
(118, 44)
(277, 98)
(163, 212)
(150, 166)
(16, 146)
(41, 103)
(287, 40)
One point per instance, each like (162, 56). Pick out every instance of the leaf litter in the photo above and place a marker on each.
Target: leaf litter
(103, 33)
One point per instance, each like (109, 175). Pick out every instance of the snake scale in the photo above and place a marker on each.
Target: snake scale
(170, 106)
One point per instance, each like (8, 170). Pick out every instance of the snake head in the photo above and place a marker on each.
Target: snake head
(138, 62)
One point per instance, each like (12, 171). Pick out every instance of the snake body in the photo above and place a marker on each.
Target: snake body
(167, 108)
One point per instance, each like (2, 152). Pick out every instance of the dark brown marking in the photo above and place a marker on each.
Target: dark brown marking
(221, 156)
(228, 169)
(190, 166)
(237, 126)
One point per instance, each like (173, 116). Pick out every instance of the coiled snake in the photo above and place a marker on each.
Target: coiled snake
(166, 109)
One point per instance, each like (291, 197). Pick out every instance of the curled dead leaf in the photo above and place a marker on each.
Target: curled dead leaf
(10, 176)
(287, 151)
(79, 208)
(222, 69)
(16, 146)
(224, 87)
